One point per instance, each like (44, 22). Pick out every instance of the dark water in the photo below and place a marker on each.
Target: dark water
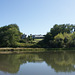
(52, 63)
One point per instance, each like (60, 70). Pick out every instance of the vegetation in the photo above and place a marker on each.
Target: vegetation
(60, 36)
(10, 36)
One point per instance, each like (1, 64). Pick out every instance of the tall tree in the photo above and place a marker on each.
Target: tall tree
(9, 35)
(62, 28)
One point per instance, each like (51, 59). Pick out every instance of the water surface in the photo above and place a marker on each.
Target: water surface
(52, 63)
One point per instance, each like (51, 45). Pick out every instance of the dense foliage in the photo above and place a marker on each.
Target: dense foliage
(9, 35)
(60, 36)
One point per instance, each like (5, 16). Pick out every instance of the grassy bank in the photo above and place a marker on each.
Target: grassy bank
(34, 49)
(21, 50)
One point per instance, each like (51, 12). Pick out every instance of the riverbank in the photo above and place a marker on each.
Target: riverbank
(33, 50)
(8, 48)
(21, 50)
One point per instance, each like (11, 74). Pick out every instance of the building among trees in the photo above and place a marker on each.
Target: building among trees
(24, 36)
(38, 36)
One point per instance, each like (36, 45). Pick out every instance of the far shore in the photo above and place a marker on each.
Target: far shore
(20, 48)
(35, 49)
(8, 48)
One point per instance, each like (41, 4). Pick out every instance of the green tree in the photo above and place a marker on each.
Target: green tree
(59, 35)
(71, 42)
(9, 35)
(59, 40)
(62, 29)
(30, 37)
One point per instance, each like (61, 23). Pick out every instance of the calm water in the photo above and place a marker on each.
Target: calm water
(53, 63)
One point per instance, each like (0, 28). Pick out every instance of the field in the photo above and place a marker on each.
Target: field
(37, 40)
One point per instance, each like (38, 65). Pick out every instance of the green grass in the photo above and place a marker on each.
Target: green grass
(24, 44)
(37, 40)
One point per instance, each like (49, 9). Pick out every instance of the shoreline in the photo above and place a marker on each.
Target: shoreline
(21, 48)
(18, 48)
(33, 50)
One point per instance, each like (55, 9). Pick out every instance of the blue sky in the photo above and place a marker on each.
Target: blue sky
(36, 16)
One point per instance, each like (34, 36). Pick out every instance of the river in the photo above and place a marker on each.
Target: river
(45, 63)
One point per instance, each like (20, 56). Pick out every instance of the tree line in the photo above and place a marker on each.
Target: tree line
(60, 36)
(9, 35)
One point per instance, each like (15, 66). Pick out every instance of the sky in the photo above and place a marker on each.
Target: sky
(36, 16)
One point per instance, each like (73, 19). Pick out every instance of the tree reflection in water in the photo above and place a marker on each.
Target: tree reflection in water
(59, 61)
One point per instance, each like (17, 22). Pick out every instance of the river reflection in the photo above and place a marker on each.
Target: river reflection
(54, 63)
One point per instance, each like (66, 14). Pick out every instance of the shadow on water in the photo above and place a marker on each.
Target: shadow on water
(60, 61)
